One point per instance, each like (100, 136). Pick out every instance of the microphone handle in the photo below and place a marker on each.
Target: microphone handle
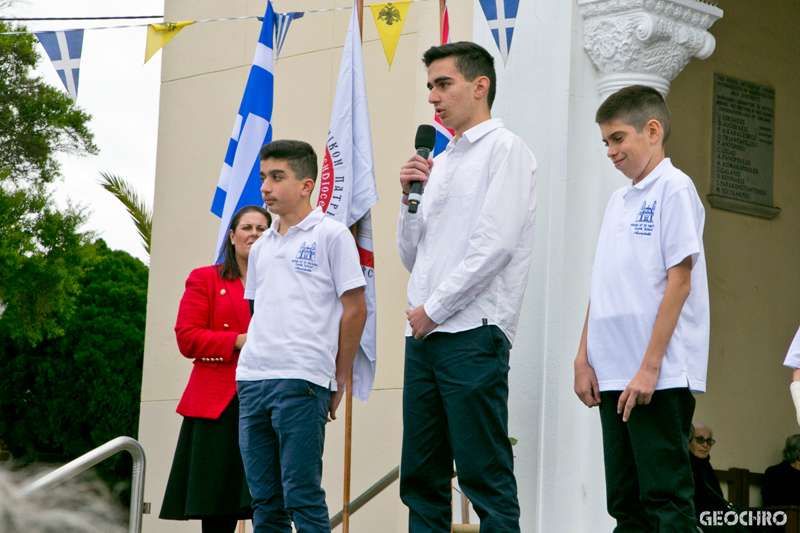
(415, 196)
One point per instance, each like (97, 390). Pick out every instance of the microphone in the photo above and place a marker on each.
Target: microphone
(424, 143)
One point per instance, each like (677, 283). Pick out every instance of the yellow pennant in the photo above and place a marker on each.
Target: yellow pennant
(389, 19)
(160, 34)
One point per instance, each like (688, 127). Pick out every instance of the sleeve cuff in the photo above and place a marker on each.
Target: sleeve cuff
(229, 346)
(435, 311)
(692, 250)
(350, 285)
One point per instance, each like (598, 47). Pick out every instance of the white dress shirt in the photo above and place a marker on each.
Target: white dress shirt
(469, 245)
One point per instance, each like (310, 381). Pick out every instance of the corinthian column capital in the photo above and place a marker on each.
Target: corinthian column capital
(647, 42)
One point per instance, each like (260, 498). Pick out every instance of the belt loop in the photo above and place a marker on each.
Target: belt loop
(485, 321)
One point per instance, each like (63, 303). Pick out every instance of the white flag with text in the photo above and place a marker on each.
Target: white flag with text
(347, 185)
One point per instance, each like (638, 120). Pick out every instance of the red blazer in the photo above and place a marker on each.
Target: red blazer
(213, 312)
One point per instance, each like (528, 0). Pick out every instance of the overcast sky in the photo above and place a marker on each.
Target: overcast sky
(122, 97)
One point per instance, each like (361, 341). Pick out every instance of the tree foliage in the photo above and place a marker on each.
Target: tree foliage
(141, 215)
(37, 121)
(65, 396)
(39, 243)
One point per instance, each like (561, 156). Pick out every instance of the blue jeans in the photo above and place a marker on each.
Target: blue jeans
(281, 436)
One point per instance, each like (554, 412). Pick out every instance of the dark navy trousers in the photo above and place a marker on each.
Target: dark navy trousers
(281, 436)
(455, 406)
(649, 480)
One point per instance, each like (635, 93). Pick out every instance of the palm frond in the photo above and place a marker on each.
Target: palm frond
(141, 214)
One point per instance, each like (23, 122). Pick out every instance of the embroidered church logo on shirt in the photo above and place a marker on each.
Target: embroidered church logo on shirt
(644, 222)
(306, 258)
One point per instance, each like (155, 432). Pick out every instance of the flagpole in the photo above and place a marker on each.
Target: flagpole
(348, 417)
(442, 5)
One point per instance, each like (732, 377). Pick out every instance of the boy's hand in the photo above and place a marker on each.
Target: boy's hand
(419, 321)
(639, 391)
(415, 169)
(336, 399)
(586, 386)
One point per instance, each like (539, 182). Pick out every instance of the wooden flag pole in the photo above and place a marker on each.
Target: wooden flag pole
(348, 417)
(348, 441)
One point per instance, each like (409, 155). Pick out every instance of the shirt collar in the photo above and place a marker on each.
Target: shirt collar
(313, 218)
(475, 133)
(656, 173)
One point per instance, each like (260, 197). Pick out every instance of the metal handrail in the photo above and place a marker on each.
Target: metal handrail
(367, 495)
(88, 460)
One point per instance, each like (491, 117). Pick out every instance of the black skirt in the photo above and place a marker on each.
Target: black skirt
(207, 476)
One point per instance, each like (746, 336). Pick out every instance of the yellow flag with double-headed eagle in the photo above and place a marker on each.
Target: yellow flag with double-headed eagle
(160, 34)
(389, 19)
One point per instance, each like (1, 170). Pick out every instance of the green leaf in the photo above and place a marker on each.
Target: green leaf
(141, 214)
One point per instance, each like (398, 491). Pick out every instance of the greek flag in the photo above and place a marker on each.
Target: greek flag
(239, 182)
(501, 15)
(64, 50)
(282, 21)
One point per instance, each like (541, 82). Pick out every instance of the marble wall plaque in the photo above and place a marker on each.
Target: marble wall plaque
(742, 155)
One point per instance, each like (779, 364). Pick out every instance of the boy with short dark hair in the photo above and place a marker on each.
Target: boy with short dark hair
(306, 281)
(644, 347)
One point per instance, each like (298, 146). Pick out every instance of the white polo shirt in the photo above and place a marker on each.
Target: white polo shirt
(793, 356)
(296, 282)
(649, 228)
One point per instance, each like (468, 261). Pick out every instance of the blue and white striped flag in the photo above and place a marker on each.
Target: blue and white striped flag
(501, 15)
(64, 50)
(282, 21)
(239, 182)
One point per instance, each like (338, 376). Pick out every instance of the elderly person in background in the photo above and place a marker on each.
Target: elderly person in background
(781, 485)
(707, 491)
(207, 480)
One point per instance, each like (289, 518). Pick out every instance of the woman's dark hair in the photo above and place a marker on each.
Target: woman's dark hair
(791, 452)
(227, 266)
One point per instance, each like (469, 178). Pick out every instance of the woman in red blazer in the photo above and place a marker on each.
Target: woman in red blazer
(207, 478)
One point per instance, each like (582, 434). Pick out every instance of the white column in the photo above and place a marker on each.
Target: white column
(548, 94)
(645, 42)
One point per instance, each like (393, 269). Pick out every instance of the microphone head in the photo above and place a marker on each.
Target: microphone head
(426, 137)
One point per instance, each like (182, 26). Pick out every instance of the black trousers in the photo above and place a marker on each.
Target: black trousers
(455, 406)
(649, 481)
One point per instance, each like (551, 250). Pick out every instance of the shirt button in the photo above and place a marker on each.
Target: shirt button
(225, 325)
(222, 292)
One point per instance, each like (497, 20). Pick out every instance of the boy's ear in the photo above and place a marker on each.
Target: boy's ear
(655, 132)
(481, 87)
(308, 187)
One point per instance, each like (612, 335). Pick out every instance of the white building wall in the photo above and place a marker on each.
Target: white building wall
(547, 94)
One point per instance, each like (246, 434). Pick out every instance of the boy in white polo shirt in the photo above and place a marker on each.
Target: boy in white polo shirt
(307, 285)
(644, 347)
